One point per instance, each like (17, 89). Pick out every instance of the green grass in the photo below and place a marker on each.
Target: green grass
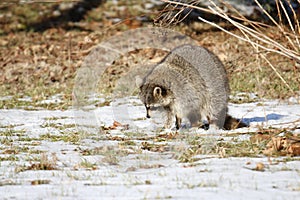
(9, 132)
(55, 118)
(16, 103)
(9, 158)
(72, 137)
(200, 185)
(263, 81)
(58, 126)
(88, 165)
(243, 148)
(230, 148)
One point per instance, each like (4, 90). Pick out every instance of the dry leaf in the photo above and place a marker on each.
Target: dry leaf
(284, 146)
(275, 145)
(260, 167)
(294, 149)
(257, 138)
(40, 182)
(115, 125)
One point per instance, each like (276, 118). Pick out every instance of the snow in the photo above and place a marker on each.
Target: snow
(142, 175)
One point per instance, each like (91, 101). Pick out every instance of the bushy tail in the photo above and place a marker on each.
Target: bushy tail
(233, 123)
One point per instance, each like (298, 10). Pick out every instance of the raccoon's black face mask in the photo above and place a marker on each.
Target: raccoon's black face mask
(147, 98)
(153, 96)
(150, 98)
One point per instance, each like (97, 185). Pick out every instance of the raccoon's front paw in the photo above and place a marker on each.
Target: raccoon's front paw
(213, 128)
(185, 126)
(169, 131)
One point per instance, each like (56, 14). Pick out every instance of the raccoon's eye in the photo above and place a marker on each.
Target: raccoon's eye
(148, 99)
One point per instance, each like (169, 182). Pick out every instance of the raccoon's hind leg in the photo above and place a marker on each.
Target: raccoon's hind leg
(213, 123)
(178, 122)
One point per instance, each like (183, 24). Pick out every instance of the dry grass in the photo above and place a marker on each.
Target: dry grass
(41, 64)
(42, 163)
(267, 41)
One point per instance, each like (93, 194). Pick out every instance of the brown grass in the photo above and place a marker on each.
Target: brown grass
(41, 64)
(267, 42)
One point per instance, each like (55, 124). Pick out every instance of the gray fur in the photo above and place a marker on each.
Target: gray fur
(190, 82)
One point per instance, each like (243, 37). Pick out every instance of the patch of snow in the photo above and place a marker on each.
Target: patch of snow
(6, 98)
(53, 99)
(147, 174)
(28, 99)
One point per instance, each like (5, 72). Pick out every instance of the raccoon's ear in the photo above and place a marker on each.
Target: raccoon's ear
(138, 81)
(157, 91)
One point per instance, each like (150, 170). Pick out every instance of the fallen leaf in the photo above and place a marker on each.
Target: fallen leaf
(260, 167)
(257, 138)
(115, 125)
(287, 145)
(294, 149)
(40, 182)
(274, 146)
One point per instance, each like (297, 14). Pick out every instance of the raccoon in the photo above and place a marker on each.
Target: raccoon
(190, 82)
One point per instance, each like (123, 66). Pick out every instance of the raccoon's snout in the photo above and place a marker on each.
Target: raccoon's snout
(148, 111)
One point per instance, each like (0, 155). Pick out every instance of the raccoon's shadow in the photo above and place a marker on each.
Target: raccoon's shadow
(272, 116)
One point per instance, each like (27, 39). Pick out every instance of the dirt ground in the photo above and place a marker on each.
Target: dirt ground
(42, 45)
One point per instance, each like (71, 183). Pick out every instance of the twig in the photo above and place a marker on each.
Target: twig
(278, 11)
(289, 21)
(187, 5)
(259, 36)
(274, 21)
(297, 24)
